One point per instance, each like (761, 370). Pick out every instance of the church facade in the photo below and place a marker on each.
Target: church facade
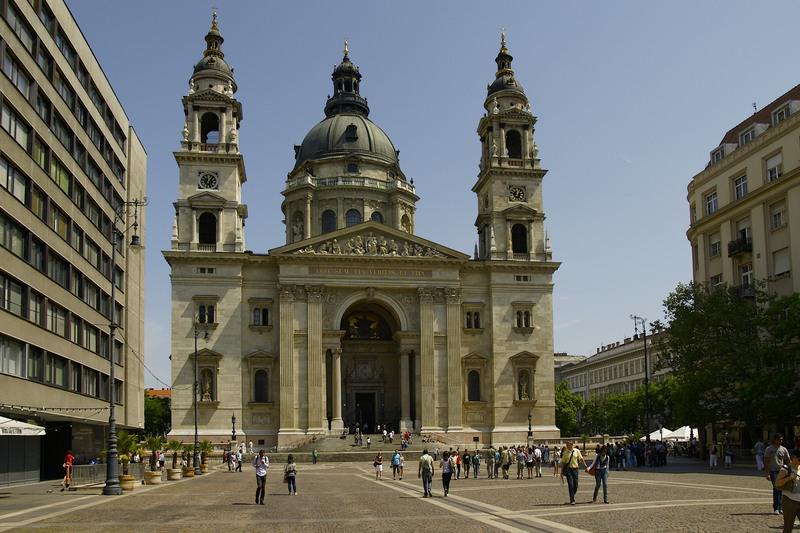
(357, 320)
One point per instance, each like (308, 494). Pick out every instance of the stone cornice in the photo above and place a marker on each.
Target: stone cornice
(214, 158)
(507, 172)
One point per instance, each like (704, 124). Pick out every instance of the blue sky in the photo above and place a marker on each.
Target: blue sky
(631, 96)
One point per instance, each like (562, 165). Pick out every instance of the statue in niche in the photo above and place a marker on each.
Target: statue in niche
(206, 387)
(297, 230)
(191, 86)
(233, 136)
(523, 386)
(185, 132)
(494, 148)
(495, 107)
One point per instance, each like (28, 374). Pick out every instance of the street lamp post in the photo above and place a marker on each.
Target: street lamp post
(112, 487)
(233, 428)
(530, 428)
(636, 321)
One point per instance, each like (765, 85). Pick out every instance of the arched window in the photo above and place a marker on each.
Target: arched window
(376, 216)
(328, 221)
(352, 217)
(519, 239)
(518, 321)
(526, 319)
(513, 144)
(473, 386)
(209, 128)
(208, 228)
(476, 320)
(260, 386)
(469, 320)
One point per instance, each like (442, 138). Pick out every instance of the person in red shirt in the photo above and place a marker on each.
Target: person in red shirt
(68, 460)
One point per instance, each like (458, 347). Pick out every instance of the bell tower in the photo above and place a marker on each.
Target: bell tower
(209, 213)
(510, 220)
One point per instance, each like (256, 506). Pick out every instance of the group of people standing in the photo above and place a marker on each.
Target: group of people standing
(261, 464)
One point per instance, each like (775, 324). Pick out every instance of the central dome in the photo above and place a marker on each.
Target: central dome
(346, 133)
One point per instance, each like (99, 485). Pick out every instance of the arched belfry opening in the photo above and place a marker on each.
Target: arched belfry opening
(371, 387)
(514, 144)
(209, 128)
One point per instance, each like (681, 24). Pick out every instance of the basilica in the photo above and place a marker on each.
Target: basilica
(357, 320)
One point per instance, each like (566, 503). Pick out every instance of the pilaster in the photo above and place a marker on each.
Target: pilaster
(286, 360)
(316, 362)
(427, 367)
(454, 403)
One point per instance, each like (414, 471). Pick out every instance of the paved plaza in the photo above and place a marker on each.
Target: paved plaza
(346, 497)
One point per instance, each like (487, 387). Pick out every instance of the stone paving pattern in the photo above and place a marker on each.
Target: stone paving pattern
(345, 496)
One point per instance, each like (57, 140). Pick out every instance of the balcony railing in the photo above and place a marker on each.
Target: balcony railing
(206, 247)
(349, 181)
(739, 246)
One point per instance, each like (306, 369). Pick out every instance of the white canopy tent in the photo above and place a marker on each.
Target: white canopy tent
(659, 434)
(683, 434)
(15, 428)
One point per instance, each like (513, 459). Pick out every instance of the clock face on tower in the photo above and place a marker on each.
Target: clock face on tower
(517, 193)
(208, 180)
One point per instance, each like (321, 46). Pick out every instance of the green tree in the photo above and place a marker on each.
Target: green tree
(157, 415)
(568, 405)
(732, 358)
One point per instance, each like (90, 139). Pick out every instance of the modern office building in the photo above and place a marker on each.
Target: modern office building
(357, 320)
(745, 205)
(69, 163)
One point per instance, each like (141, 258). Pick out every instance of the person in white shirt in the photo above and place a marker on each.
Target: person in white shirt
(261, 464)
(537, 461)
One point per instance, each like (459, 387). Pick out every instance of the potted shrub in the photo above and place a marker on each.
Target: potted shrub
(174, 473)
(188, 454)
(127, 446)
(205, 448)
(154, 443)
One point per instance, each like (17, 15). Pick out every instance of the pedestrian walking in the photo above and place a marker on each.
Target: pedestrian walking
(261, 464)
(68, 460)
(239, 460)
(728, 456)
(290, 475)
(758, 451)
(600, 466)
(161, 461)
(537, 461)
(712, 456)
(402, 465)
(425, 472)
(457, 457)
(789, 482)
(476, 464)
(490, 463)
(314, 456)
(395, 464)
(250, 447)
(369, 442)
(378, 465)
(556, 461)
(571, 458)
(466, 462)
(775, 458)
(447, 466)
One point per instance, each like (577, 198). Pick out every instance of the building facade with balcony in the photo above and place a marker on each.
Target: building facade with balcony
(745, 205)
(357, 320)
(68, 159)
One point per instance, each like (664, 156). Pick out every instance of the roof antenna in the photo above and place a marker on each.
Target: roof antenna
(755, 108)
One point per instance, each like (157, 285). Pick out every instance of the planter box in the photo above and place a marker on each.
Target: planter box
(152, 478)
(188, 471)
(173, 474)
(127, 482)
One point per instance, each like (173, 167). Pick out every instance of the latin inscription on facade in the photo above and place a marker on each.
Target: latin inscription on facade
(378, 272)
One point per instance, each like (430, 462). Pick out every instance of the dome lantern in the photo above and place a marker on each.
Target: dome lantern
(346, 96)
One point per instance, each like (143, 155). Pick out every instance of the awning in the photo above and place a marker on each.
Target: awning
(683, 434)
(659, 434)
(15, 428)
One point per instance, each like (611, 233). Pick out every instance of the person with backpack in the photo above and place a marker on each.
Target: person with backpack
(396, 464)
(788, 480)
(425, 472)
(466, 461)
(261, 464)
(290, 474)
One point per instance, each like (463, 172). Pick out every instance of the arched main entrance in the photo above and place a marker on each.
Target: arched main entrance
(370, 368)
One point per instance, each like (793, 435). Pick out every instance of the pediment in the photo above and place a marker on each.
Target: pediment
(206, 199)
(474, 357)
(524, 357)
(209, 95)
(520, 211)
(205, 353)
(369, 239)
(259, 355)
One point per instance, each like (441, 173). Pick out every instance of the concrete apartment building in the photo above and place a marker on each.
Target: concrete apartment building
(616, 368)
(68, 156)
(745, 205)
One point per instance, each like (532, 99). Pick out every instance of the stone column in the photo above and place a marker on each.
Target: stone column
(195, 125)
(405, 393)
(454, 404)
(417, 393)
(336, 423)
(307, 228)
(286, 360)
(509, 241)
(316, 362)
(427, 378)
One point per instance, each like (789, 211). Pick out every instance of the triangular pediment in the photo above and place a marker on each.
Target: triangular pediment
(520, 211)
(524, 357)
(474, 357)
(208, 354)
(209, 95)
(206, 199)
(368, 240)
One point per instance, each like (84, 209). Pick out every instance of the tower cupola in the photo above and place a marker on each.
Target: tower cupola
(504, 77)
(346, 96)
(213, 66)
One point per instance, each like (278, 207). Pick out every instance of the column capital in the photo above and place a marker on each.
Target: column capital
(287, 292)
(452, 295)
(314, 293)
(426, 295)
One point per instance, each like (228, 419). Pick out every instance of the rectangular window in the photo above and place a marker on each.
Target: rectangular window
(97, 100)
(93, 212)
(780, 115)
(40, 152)
(47, 18)
(60, 175)
(37, 255)
(747, 136)
(715, 246)
(20, 27)
(77, 194)
(12, 357)
(83, 75)
(75, 376)
(15, 126)
(64, 90)
(43, 107)
(75, 329)
(62, 131)
(717, 155)
(12, 237)
(95, 135)
(90, 338)
(17, 75)
(59, 222)
(56, 319)
(12, 180)
(45, 61)
(716, 281)
(746, 275)
(66, 48)
(11, 295)
(76, 238)
(774, 167)
(780, 262)
(79, 154)
(777, 218)
(56, 370)
(740, 187)
(35, 361)
(58, 270)
(35, 302)
(90, 381)
(711, 203)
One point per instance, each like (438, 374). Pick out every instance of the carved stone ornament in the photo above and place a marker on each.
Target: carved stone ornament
(452, 295)
(371, 245)
(314, 293)
(287, 292)
(426, 294)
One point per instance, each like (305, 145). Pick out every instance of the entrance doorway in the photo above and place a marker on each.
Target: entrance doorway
(365, 411)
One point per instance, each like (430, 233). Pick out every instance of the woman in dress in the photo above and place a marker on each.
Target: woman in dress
(290, 474)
